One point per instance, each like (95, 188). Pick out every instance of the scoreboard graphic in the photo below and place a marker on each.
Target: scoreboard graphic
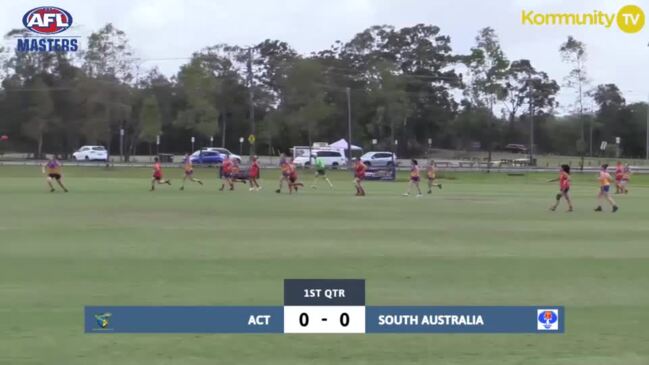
(324, 306)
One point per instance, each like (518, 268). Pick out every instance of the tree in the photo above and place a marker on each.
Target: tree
(423, 58)
(616, 119)
(475, 124)
(231, 94)
(303, 98)
(108, 54)
(150, 120)
(573, 52)
(531, 88)
(386, 92)
(487, 69)
(107, 92)
(39, 115)
(608, 96)
(525, 85)
(199, 88)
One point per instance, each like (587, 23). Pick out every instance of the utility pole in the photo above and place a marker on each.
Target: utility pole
(251, 105)
(590, 130)
(647, 134)
(531, 86)
(349, 124)
(531, 131)
(121, 144)
(225, 127)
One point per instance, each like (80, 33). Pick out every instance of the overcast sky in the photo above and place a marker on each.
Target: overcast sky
(160, 29)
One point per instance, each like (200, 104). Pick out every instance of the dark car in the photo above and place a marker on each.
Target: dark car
(516, 148)
(207, 158)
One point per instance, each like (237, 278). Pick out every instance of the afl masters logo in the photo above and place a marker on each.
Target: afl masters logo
(45, 23)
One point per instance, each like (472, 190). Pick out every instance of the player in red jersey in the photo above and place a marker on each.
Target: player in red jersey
(619, 175)
(253, 174)
(564, 187)
(157, 175)
(188, 170)
(227, 168)
(293, 184)
(359, 176)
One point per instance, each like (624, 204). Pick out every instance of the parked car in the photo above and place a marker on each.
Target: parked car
(332, 159)
(379, 158)
(220, 150)
(226, 152)
(516, 148)
(91, 153)
(206, 158)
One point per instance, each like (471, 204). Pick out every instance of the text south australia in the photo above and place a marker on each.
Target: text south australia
(430, 320)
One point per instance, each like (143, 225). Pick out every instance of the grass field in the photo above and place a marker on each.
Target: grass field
(482, 240)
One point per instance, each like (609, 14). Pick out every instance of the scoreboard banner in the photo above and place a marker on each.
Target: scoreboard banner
(324, 306)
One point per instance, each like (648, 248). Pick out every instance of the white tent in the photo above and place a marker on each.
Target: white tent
(343, 145)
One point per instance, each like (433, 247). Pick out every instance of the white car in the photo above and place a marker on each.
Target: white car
(91, 153)
(333, 159)
(378, 159)
(221, 150)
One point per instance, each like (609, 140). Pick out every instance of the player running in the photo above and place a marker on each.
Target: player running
(431, 173)
(414, 178)
(619, 174)
(604, 187)
(285, 168)
(253, 174)
(359, 176)
(626, 176)
(292, 178)
(189, 171)
(564, 188)
(320, 171)
(53, 170)
(227, 169)
(157, 174)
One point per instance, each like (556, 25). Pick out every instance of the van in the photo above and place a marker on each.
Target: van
(333, 159)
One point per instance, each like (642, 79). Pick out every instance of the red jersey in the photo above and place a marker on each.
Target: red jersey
(359, 169)
(292, 171)
(619, 172)
(564, 180)
(157, 169)
(254, 169)
(414, 171)
(227, 166)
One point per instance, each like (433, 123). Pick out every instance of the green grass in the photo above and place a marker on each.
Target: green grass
(482, 240)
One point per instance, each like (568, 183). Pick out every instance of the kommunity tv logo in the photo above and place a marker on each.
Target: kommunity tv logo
(629, 18)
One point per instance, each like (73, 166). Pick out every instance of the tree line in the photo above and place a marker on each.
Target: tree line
(404, 84)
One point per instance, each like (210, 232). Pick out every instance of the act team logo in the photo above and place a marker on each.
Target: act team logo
(547, 319)
(47, 22)
(103, 321)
